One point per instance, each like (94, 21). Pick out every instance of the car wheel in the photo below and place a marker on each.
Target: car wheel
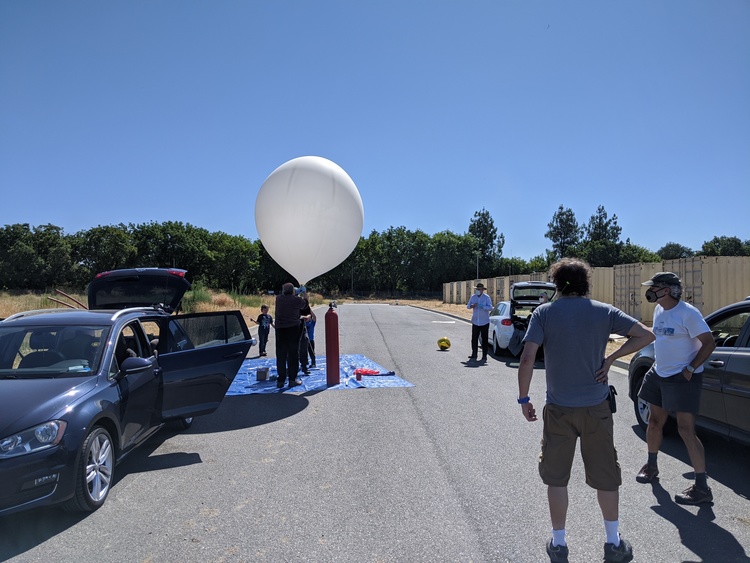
(94, 472)
(181, 423)
(495, 347)
(643, 411)
(641, 407)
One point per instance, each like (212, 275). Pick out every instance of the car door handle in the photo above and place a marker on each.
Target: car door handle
(235, 355)
(716, 363)
(157, 372)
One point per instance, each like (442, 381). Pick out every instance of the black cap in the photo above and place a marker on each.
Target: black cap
(663, 278)
(480, 285)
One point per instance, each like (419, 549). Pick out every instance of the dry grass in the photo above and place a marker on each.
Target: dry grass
(15, 302)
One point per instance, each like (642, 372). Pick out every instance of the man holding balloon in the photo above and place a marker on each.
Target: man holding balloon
(289, 313)
(304, 187)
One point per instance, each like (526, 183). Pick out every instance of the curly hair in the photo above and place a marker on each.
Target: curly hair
(571, 276)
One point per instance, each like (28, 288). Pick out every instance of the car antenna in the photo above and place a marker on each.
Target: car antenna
(69, 297)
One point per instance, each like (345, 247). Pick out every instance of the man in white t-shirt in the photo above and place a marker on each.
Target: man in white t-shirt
(674, 383)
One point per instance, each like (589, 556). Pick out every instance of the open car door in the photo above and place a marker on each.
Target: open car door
(200, 355)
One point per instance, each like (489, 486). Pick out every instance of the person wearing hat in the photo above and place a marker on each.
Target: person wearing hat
(480, 305)
(674, 382)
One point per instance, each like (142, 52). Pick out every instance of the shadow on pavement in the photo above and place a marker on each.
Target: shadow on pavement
(698, 532)
(247, 411)
(26, 530)
(726, 461)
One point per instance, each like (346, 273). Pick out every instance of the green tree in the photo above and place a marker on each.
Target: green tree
(418, 273)
(564, 232)
(489, 243)
(452, 258)
(673, 251)
(101, 249)
(512, 266)
(34, 258)
(601, 244)
(541, 263)
(174, 244)
(53, 247)
(270, 276)
(395, 258)
(725, 246)
(235, 262)
(348, 277)
(632, 254)
(483, 228)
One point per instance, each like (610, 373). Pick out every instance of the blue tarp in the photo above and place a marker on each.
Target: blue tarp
(246, 383)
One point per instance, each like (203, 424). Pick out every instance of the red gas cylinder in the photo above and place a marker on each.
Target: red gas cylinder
(333, 376)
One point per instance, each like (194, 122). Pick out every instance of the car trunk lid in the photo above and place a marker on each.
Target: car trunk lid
(138, 287)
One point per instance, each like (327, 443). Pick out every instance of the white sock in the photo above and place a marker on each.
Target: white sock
(612, 528)
(558, 537)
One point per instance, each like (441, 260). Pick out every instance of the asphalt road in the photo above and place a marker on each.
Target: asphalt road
(442, 471)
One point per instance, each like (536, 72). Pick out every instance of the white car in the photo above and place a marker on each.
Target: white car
(509, 318)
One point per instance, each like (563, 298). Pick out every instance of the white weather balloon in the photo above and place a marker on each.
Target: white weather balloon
(309, 216)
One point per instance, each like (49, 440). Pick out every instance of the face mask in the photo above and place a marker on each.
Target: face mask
(477, 292)
(652, 295)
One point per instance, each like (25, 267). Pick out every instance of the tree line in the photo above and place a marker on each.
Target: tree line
(394, 261)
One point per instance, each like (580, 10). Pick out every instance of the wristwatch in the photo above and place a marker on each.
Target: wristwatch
(690, 368)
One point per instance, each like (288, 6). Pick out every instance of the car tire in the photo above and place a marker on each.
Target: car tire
(181, 423)
(641, 407)
(642, 410)
(94, 472)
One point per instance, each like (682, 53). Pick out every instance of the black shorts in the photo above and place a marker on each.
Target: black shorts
(674, 393)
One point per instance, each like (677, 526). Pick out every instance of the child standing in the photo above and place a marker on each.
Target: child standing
(264, 322)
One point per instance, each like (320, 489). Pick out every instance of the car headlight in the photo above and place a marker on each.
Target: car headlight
(33, 439)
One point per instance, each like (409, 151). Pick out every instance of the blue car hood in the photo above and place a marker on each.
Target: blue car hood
(27, 402)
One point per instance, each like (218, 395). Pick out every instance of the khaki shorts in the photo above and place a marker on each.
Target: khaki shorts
(594, 426)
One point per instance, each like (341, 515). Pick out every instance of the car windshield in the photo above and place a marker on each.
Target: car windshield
(50, 351)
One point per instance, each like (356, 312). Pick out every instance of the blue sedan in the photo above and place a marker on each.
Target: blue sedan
(80, 389)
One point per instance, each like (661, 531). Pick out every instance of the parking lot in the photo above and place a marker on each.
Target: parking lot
(442, 471)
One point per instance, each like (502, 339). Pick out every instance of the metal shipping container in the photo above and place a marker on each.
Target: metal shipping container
(603, 285)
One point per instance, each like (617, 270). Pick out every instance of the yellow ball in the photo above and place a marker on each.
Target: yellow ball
(444, 343)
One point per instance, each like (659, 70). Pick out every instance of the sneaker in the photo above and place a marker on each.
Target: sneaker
(647, 474)
(294, 383)
(472, 357)
(557, 553)
(694, 495)
(620, 553)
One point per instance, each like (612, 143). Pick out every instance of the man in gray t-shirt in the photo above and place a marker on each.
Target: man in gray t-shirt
(574, 331)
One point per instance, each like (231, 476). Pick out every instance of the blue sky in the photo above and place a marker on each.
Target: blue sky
(130, 112)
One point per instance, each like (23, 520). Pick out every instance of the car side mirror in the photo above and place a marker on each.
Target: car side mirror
(134, 365)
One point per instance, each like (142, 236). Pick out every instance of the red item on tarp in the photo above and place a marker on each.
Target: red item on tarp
(366, 371)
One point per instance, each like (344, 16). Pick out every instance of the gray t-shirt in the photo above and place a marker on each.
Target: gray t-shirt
(574, 332)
